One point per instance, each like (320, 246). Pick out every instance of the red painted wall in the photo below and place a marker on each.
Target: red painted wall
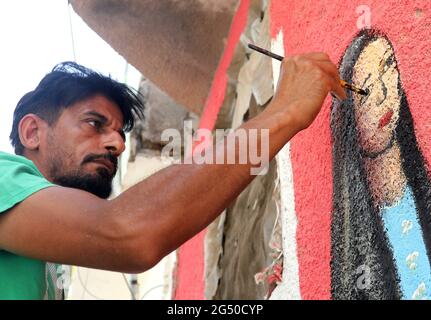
(190, 271)
(329, 26)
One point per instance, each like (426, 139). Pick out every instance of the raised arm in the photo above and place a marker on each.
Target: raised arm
(134, 231)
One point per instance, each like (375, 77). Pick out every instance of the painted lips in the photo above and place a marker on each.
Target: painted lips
(385, 119)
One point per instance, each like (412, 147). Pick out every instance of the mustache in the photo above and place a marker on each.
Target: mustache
(93, 157)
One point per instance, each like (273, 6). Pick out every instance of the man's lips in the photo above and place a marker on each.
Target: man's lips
(384, 121)
(107, 164)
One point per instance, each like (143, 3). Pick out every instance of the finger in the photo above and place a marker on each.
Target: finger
(338, 90)
(319, 56)
(332, 71)
(329, 68)
(311, 57)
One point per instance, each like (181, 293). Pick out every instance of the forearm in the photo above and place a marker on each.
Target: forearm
(168, 208)
(132, 232)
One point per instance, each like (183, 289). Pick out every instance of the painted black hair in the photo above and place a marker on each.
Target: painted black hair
(67, 84)
(358, 241)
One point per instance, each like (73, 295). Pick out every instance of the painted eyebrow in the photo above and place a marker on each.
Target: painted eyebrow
(104, 120)
(384, 62)
(389, 61)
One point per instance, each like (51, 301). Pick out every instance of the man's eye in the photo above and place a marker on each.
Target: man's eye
(95, 123)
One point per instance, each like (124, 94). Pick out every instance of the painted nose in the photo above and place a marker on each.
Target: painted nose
(381, 92)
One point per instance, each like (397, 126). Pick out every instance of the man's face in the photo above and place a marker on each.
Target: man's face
(83, 145)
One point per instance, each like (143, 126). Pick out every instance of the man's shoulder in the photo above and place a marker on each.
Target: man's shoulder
(12, 162)
(19, 178)
(8, 159)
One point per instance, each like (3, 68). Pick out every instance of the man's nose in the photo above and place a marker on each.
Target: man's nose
(114, 143)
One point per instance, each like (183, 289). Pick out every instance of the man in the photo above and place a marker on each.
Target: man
(68, 134)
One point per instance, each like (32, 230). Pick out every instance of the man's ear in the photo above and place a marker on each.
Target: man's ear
(30, 129)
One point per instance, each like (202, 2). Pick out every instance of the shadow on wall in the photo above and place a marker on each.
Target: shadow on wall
(381, 237)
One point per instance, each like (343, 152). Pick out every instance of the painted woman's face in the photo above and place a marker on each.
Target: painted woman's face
(377, 113)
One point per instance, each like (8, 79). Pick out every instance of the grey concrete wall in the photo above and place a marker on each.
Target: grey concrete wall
(176, 44)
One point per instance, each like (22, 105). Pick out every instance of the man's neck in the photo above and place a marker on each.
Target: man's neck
(40, 165)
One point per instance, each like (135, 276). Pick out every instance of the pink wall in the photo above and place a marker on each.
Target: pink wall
(329, 26)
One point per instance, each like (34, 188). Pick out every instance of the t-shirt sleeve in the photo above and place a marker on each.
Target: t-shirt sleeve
(19, 180)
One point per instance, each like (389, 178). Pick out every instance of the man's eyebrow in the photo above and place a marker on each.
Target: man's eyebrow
(104, 120)
(100, 117)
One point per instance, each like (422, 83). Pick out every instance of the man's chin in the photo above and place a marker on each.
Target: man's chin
(99, 184)
(96, 168)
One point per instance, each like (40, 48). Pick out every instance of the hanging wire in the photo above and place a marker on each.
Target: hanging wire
(151, 289)
(85, 286)
(129, 287)
(69, 5)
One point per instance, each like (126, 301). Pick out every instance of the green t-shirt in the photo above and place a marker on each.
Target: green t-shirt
(21, 277)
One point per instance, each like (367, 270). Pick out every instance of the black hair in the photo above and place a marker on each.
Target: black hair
(67, 84)
(358, 237)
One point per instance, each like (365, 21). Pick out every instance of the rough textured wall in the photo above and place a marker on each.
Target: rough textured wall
(243, 257)
(361, 171)
(248, 229)
(161, 113)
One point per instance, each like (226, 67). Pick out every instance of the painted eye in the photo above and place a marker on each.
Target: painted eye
(389, 62)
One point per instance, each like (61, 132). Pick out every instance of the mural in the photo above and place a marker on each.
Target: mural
(380, 231)
(354, 190)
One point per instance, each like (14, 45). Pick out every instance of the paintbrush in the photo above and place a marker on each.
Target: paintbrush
(343, 83)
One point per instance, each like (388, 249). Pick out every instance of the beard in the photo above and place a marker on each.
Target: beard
(99, 183)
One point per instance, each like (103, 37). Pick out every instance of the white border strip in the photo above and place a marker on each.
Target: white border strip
(289, 287)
